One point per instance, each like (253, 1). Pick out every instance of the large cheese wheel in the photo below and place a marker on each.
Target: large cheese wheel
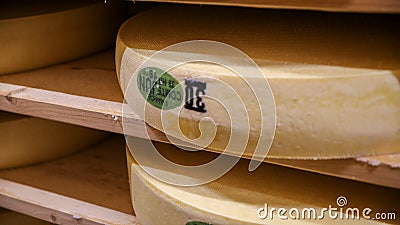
(35, 34)
(236, 197)
(333, 77)
(25, 140)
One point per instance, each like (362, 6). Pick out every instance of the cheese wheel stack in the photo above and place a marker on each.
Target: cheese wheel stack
(26, 140)
(236, 198)
(333, 77)
(36, 34)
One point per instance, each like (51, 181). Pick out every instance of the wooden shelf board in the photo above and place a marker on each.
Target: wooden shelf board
(89, 187)
(370, 6)
(83, 92)
(384, 174)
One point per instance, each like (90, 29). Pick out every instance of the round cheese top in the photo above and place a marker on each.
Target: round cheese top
(36, 34)
(325, 107)
(353, 40)
(243, 197)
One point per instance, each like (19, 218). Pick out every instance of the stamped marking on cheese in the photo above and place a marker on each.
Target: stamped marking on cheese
(159, 88)
(200, 87)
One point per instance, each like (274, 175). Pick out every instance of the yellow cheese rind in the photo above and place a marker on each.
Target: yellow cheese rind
(39, 40)
(27, 140)
(236, 197)
(322, 111)
(350, 40)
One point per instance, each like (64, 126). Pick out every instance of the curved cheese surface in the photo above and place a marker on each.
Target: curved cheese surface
(333, 82)
(26, 140)
(325, 106)
(353, 40)
(36, 34)
(236, 197)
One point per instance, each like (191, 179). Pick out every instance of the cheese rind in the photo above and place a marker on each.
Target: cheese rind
(230, 200)
(27, 140)
(322, 111)
(62, 32)
(349, 40)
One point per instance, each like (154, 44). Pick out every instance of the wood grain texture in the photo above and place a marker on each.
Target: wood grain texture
(91, 185)
(92, 77)
(84, 92)
(378, 170)
(78, 110)
(374, 6)
(56, 208)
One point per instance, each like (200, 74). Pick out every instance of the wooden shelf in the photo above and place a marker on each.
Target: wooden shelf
(83, 92)
(89, 187)
(374, 6)
(86, 93)
(380, 170)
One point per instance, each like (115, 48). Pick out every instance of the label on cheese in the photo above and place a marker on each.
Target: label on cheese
(159, 88)
(330, 103)
(198, 98)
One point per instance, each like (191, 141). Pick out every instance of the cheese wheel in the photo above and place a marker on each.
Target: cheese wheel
(237, 197)
(340, 39)
(333, 77)
(26, 140)
(36, 33)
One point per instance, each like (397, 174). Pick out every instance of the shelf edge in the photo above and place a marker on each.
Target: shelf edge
(56, 208)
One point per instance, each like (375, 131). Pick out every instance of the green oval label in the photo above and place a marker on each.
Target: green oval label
(159, 88)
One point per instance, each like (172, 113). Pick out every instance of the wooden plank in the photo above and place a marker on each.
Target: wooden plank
(93, 77)
(382, 170)
(374, 6)
(73, 109)
(83, 92)
(57, 208)
(88, 187)
(90, 112)
(97, 175)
